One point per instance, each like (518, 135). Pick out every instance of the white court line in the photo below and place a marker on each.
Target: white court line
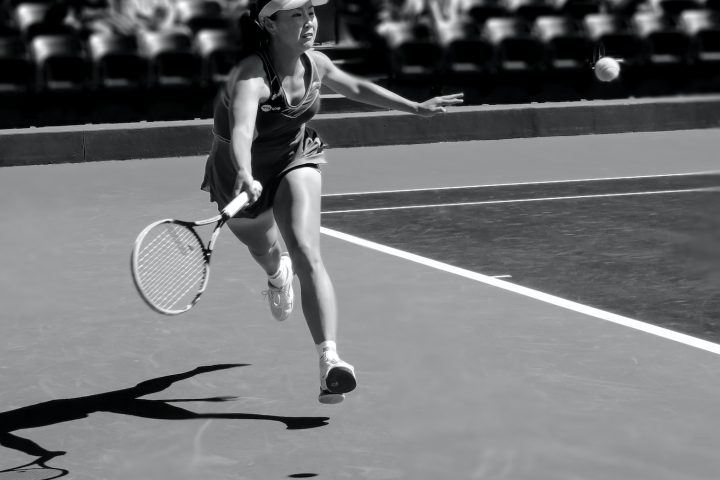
(539, 199)
(528, 292)
(546, 182)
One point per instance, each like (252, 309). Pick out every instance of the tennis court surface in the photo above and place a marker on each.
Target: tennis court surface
(523, 309)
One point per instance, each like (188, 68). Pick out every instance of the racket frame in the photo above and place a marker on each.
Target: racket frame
(228, 212)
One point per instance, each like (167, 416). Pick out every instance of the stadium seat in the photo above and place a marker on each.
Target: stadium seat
(414, 52)
(116, 62)
(7, 29)
(516, 49)
(16, 83)
(612, 35)
(665, 44)
(703, 27)
(219, 51)
(480, 10)
(16, 70)
(623, 8)
(566, 46)
(34, 19)
(579, 8)
(675, 7)
(175, 75)
(201, 14)
(531, 9)
(14, 3)
(467, 53)
(357, 20)
(61, 63)
(92, 3)
(171, 58)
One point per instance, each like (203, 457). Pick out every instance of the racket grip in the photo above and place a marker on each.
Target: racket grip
(235, 205)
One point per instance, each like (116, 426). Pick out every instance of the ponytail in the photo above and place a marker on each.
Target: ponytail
(252, 36)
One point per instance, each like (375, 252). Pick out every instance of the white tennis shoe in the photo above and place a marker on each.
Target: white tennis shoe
(281, 299)
(336, 378)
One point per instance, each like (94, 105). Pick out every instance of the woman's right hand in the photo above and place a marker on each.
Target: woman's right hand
(246, 183)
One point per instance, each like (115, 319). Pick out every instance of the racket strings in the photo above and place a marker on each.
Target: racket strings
(160, 265)
(171, 275)
(167, 258)
(171, 265)
(168, 290)
(161, 259)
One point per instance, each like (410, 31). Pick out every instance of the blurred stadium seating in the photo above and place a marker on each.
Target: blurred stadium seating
(579, 8)
(567, 55)
(497, 51)
(16, 69)
(565, 45)
(201, 14)
(219, 50)
(480, 10)
(60, 61)
(34, 19)
(467, 53)
(117, 62)
(703, 28)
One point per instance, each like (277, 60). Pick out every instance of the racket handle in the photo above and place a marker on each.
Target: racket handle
(235, 205)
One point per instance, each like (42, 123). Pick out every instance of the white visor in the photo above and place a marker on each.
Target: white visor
(274, 6)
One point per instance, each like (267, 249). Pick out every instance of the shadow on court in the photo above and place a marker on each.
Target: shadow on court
(126, 402)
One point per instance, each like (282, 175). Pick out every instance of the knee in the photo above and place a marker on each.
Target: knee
(306, 258)
(259, 250)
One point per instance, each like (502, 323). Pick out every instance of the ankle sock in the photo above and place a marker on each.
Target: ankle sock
(280, 277)
(328, 347)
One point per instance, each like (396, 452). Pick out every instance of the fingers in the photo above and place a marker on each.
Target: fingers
(454, 99)
(437, 105)
(253, 189)
(447, 101)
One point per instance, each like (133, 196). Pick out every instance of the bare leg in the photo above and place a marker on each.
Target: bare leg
(261, 236)
(297, 211)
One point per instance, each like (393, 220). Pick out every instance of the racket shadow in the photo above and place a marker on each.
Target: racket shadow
(125, 402)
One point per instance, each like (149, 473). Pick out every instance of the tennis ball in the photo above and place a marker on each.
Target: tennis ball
(607, 69)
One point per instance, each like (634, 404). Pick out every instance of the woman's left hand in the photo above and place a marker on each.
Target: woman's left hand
(437, 104)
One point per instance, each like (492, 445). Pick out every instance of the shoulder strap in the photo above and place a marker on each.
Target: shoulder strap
(313, 67)
(273, 79)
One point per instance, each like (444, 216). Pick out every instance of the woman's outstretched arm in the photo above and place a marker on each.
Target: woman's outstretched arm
(365, 91)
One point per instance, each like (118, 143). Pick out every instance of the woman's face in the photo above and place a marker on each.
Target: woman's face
(295, 28)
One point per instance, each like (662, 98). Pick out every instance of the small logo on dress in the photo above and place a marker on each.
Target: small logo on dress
(269, 108)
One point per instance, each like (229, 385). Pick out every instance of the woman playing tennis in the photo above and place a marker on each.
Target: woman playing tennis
(263, 147)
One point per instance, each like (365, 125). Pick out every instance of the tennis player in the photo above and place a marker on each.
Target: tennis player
(263, 146)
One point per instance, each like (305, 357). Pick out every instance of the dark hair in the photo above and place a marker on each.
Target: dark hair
(252, 35)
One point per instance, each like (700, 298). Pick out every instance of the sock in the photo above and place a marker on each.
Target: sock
(329, 347)
(280, 277)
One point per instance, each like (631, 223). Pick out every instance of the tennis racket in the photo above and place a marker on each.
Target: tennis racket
(170, 264)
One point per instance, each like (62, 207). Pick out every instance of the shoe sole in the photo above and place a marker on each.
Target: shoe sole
(340, 380)
(331, 398)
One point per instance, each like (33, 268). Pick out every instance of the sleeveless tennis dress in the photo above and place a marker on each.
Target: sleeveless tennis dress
(283, 141)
